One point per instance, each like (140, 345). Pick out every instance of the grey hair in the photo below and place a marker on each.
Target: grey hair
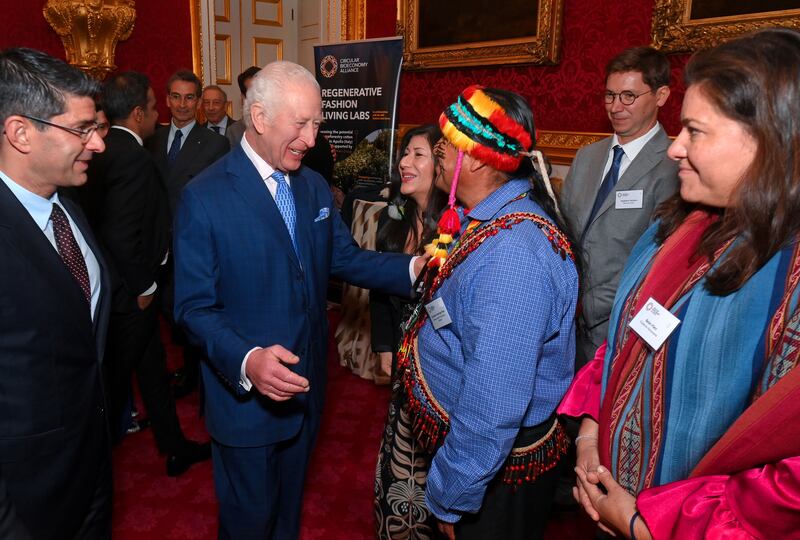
(215, 87)
(270, 85)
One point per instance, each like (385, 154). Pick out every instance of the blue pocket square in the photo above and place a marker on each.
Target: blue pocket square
(323, 214)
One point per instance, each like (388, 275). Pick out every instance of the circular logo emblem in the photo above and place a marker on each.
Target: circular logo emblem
(329, 66)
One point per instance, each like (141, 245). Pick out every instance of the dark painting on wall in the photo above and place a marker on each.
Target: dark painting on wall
(457, 33)
(443, 23)
(709, 9)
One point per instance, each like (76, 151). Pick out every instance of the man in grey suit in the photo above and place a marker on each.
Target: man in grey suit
(215, 105)
(615, 184)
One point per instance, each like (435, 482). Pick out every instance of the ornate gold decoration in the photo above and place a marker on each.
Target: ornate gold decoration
(90, 30)
(195, 13)
(560, 146)
(673, 29)
(543, 48)
(354, 19)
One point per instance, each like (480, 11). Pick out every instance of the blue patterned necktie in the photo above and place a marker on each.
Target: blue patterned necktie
(285, 202)
(609, 182)
(175, 148)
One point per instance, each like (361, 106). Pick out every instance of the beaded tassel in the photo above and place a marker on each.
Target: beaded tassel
(449, 223)
(525, 465)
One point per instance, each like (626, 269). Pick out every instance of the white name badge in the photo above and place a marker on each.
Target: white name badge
(654, 324)
(629, 199)
(438, 313)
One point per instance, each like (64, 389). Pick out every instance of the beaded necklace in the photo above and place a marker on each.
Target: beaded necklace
(430, 421)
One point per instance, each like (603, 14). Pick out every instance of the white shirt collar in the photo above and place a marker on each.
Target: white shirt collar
(185, 129)
(264, 169)
(135, 135)
(223, 124)
(635, 146)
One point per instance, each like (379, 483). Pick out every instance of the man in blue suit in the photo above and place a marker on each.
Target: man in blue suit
(256, 239)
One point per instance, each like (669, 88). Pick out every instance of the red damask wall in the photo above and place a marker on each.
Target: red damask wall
(564, 97)
(161, 41)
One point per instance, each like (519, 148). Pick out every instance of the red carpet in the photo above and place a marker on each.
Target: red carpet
(338, 497)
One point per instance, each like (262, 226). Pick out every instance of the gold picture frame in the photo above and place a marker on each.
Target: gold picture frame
(540, 47)
(690, 25)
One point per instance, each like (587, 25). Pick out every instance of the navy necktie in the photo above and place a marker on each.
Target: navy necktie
(285, 202)
(609, 182)
(69, 250)
(175, 148)
(215, 129)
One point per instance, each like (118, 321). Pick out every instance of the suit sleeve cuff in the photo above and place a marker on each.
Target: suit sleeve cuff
(411, 273)
(150, 290)
(243, 380)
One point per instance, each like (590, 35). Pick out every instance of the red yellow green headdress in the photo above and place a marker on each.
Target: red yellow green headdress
(477, 125)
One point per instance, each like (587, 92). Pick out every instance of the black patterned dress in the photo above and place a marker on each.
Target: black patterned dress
(400, 476)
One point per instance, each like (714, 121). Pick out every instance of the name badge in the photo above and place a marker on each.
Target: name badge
(629, 199)
(654, 324)
(438, 313)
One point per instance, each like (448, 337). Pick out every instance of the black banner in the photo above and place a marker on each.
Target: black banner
(358, 80)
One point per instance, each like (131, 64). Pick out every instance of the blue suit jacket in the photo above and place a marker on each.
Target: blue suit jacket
(239, 284)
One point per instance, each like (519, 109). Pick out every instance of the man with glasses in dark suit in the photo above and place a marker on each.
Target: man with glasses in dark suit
(55, 462)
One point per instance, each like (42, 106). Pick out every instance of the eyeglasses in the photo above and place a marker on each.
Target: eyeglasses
(626, 97)
(83, 134)
(189, 98)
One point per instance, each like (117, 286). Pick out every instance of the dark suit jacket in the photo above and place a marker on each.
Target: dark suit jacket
(608, 240)
(125, 201)
(53, 437)
(239, 284)
(201, 148)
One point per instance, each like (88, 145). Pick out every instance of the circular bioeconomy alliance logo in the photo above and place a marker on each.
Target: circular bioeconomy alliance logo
(329, 66)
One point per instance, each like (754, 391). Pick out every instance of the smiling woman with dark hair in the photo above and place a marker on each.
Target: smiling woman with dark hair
(690, 414)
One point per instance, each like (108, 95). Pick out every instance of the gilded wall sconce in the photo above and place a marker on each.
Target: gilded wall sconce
(90, 30)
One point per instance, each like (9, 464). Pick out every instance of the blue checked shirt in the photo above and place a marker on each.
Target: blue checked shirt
(508, 356)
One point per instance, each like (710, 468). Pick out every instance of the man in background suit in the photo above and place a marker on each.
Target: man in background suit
(215, 103)
(245, 79)
(256, 238)
(182, 151)
(55, 463)
(615, 184)
(182, 157)
(126, 204)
